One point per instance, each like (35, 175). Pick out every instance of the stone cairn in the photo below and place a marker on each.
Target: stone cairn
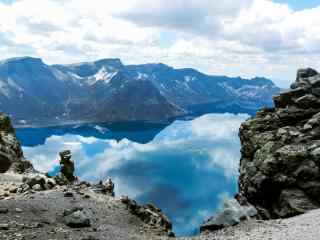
(66, 174)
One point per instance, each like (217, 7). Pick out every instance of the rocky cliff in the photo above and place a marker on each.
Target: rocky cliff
(279, 169)
(11, 155)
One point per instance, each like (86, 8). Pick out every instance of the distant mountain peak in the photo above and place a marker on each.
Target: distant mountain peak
(106, 90)
(24, 59)
(116, 61)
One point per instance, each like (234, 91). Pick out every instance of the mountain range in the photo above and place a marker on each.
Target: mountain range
(32, 92)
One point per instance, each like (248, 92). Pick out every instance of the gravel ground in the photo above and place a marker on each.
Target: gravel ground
(39, 215)
(303, 227)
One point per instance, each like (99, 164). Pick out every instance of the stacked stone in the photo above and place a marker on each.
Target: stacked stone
(66, 174)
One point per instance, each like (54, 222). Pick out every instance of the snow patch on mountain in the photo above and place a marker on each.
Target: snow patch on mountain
(7, 86)
(4, 89)
(248, 91)
(142, 76)
(102, 75)
(100, 129)
(189, 78)
(14, 85)
(76, 76)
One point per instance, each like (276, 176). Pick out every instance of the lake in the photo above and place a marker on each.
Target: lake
(186, 168)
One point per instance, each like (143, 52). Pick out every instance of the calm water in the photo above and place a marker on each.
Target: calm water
(186, 168)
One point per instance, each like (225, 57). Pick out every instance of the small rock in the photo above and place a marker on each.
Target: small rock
(18, 210)
(37, 187)
(4, 210)
(31, 181)
(4, 226)
(68, 194)
(70, 211)
(89, 238)
(13, 190)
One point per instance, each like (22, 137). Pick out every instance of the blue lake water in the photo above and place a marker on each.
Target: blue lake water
(185, 168)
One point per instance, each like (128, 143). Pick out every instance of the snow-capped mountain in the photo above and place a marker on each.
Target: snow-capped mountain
(33, 92)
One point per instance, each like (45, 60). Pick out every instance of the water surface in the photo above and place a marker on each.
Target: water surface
(185, 168)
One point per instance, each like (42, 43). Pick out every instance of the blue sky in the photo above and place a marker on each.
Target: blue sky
(300, 4)
(244, 38)
(7, 1)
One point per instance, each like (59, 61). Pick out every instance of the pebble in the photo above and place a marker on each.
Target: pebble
(13, 190)
(4, 226)
(68, 194)
(37, 187)
(19, 210)
(4, 210)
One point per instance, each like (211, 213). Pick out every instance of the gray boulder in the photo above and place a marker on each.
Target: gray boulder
(231, 214)
(76, 218)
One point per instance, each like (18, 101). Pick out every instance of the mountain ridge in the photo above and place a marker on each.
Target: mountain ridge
(106, 90)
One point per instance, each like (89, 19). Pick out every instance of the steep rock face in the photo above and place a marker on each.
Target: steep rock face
(11, 155)
(280, 164)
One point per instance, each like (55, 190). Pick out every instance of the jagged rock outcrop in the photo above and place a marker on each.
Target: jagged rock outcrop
(106, 187)
(280, 163)
(11, 155)
(149, 214)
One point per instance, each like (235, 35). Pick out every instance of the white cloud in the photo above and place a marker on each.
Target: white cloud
(218, 126)
(246, 38)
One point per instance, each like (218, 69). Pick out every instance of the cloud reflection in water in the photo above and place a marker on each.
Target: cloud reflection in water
(184, 170)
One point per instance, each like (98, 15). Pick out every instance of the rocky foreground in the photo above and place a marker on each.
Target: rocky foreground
(304, 227)
(77, 211)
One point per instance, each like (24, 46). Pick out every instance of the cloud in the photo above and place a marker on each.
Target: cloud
(203, 17)
(236, 38)
(36, 26)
